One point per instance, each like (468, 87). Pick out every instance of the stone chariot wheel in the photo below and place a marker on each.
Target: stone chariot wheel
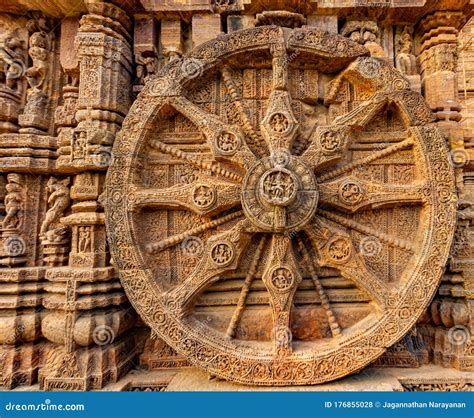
(280, 206)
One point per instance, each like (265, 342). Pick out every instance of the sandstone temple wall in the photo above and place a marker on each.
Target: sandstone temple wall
(69, 74)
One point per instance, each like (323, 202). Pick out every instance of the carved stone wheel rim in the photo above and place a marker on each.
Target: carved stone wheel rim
(396, 307)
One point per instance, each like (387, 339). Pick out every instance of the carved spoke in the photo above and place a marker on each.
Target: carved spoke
(351, 194)
(281, 278)
(226, 141)
(336, 250)
(249, 278)
(195, 160)
(222, 253)
(241, 108)
(206, 196)
(357, 226)
(155, 247)
(407, 143)
(332, 321)
(279, 126)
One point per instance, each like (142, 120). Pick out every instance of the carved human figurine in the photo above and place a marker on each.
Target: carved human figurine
(13, 201)
(80, 145)
(405, 60)
(58, 202)
(146, 67)
(84, 239)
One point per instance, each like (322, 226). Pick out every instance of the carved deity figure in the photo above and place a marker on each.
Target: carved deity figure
(37, 74)
(13, 201)
(80, 145)
(405, 60)
(58, 202)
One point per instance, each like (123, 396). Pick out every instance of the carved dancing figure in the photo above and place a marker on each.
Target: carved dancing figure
(13, 201)
(58, 201)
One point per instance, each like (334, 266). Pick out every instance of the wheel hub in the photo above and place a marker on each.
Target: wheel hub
(280, 194)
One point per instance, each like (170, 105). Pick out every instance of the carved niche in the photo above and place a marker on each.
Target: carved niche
(298, 249)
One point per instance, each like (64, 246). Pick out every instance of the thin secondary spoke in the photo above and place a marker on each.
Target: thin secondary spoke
(386, 238)
(243, 112)
(156, 247)
(333, 324)
(214, 167)
(407, 143)
(249, 278)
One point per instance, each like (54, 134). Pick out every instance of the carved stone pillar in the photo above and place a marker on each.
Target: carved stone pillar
(105, 56)
(21, 279)
(438, 52)
(88, 312)
(452, 309)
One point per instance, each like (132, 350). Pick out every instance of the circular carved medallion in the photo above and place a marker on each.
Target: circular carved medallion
(288, 208)
(204, 196)
(222, 253)
(227, 142)
(279, 123)
(330, 141)
(351, 192)
(282, 279)
(272, 196)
